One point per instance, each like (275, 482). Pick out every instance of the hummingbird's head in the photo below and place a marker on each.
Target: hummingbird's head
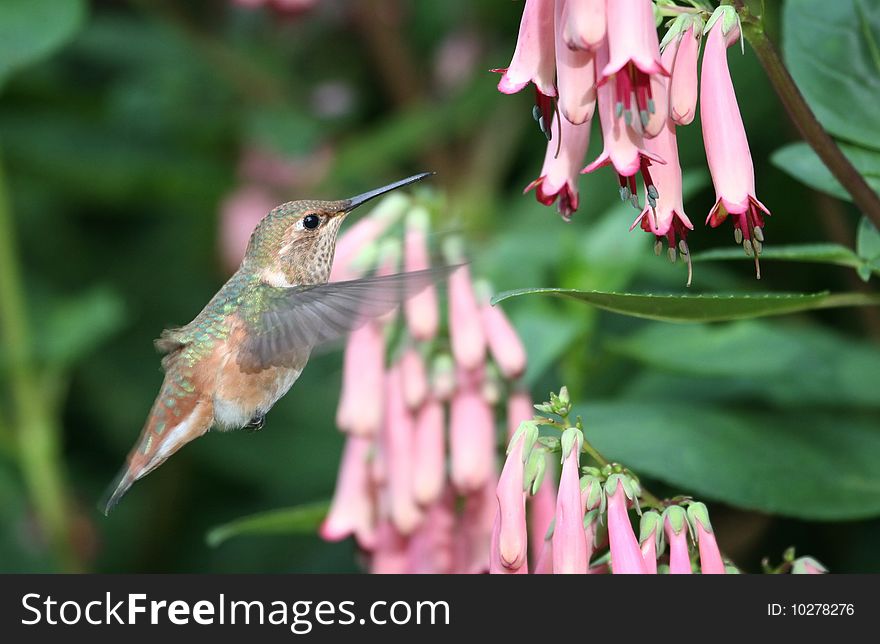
(294, 243)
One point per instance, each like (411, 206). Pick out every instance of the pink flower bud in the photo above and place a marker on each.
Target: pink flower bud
(240, 213)
(544, 560)
(533, 59)
(398, 439)
(496, 560)
(583, 26)
(575, 73)
(390, 556)
(626, 556)
(649, 555)
(519, 408)
(634, 56)
(430, 547)
(569, 540)
(679, 557)
(710, 556)
(683, 85)
(422, 316)
(474, 534)
(352, 511)
(559, 176)
(430, 452)
(727, 148)
(542, 511)
(471, 439)
(363, 372)
(415, 378)
(465, 324)
(511, 519)
(504, 343)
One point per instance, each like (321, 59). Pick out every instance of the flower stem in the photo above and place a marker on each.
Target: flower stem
(804, 119)
(34, 428)
(646, 496)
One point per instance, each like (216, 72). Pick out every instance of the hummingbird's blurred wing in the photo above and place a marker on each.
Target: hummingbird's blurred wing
(285, 324)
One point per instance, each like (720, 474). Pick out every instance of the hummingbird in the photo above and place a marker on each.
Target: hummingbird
(249, 345)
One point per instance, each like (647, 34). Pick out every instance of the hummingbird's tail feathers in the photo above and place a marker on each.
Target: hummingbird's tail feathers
(116, 490)
(177, 417)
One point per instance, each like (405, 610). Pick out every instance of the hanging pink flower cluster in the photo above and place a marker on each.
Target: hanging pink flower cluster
(416, 486)
(589, 56)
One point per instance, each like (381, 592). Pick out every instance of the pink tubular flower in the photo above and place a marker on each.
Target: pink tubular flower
(683, 85)
(430, 547)
(390, 555)
(575, 73)
(542, 511)
(474, 532)
(471, 438)
(807, 566)
(511, 518)
(533, 59)
(623, 145)
(559, 176)
(676, 526)
(504, 343)
(361, 401)
(414, 376)
(519, 408)
(583, 25)
(664, 215)
(634, 56)
(569, 540)
(544, 560)
(710, 556)
(648, 537)
(727, 148)
(398, 443)
(465, 326)
(626, 556)
(422, 316)
(496, 560)
(352, 511)
(429, 455)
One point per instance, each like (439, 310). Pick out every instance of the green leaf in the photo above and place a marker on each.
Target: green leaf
(808, 365)
(33, 29)
(75, 327)
(833, 52)
(817, 253)
(302, 519)
(809, 465)
(868, 241)
(800, 161)
(702, 308)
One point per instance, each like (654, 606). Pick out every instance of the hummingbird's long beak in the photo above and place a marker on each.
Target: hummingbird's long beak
(354, 202)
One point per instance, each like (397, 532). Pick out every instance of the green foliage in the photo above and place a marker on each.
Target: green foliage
(833, 52)
(799, 160)
(702, 308)
(32, 29)
(801, 464)
(302, 520)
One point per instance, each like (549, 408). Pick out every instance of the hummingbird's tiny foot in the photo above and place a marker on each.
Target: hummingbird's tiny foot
(255, 424)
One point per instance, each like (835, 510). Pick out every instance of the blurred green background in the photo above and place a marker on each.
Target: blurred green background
(118, 148)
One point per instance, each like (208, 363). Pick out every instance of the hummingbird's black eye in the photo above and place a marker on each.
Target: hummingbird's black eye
(311, 222)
